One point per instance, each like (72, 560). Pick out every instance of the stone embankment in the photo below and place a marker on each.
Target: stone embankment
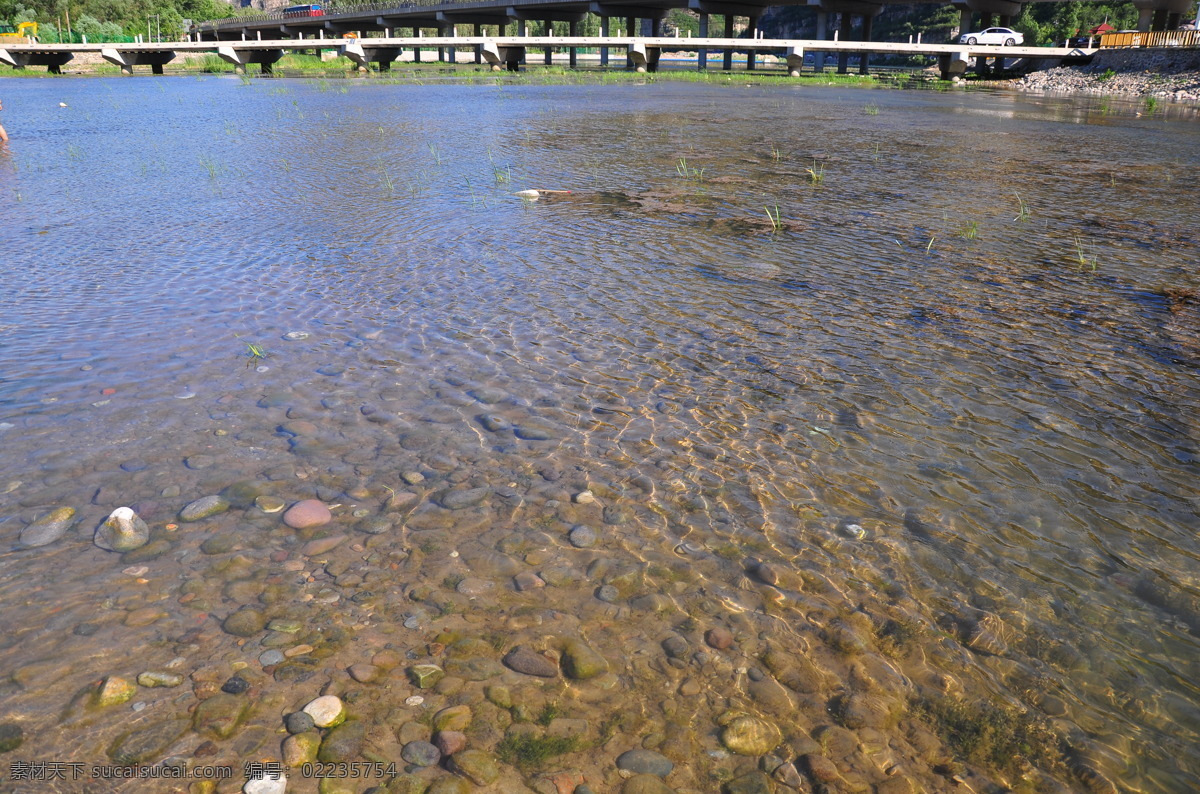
(1157, 73)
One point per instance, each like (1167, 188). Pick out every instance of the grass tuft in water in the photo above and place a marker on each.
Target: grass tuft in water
(776, 222)
(1082, 258)
(526, 751)
(688, 172)
(871, 109)
(969, 231)
(816, 174)
(1022, 209)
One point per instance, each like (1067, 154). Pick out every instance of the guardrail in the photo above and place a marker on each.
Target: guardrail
(1159, 38)
(330, 13)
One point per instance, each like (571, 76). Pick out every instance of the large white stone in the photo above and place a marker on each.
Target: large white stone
(326, 711)
(266, 785)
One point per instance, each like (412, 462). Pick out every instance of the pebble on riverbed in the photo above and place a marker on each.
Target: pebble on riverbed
(122, 531)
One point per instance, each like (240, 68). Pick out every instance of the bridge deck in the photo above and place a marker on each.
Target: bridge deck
(564, 42)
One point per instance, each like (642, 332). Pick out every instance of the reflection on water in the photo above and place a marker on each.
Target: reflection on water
(929, 441)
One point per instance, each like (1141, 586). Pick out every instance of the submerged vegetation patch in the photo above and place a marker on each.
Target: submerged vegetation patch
(1001, 737)
(528, 751)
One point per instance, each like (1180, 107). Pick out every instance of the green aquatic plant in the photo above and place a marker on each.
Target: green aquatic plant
(1082, 258)
(526, 751)
(549, 713)
(688, 172)
(210, 165)
(969, 231)
(437, 155)
(1151, 104)
(997, 735)
(776, 223)
(871, 109)
(816, 174)
(1022, 209)
(776, 154)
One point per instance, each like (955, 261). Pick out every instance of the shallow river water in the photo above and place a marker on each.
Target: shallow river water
(819, 439)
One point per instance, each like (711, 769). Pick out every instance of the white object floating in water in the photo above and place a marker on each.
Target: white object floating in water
(527, 194)
(62, 104)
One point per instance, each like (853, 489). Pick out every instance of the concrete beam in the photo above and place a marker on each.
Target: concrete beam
(729, 9)
(533, 14)
(998, 7)
(471, 18)
(851, 7)
(240, 58)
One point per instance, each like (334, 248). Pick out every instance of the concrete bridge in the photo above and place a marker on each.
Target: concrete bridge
(633, 17)
(642, 53)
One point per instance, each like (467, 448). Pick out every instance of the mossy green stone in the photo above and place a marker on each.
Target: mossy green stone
(448, 784)
(114, 691)
(455, 718)
(580, 661)
(301, 748)
(425, 676)
(343, 743)
(153, 549)
(147, 744)
(285, 626)
(479, 767)
(244, 623)
(336, 785)
(204, 508)
(11, 737)
(219, 716)
(407, 784)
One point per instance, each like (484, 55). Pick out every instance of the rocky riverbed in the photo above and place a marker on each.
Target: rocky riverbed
(1160, 74)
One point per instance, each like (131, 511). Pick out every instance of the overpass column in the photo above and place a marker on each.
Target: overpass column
(1145, 16)
(964, 21)
(604, 35)
(416, 50)
(573, 31)
(478, 48)
(864, 60)
(630, 32)
(750, 54)
(702, 53)
(729, 35)
(844, 35)
(549, 51)
(822, 35)
(1160, 19)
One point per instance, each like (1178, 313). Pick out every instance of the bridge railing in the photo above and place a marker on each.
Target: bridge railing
(1160, 38)
(332, 11)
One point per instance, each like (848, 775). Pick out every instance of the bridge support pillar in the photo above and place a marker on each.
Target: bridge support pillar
(478, 53)
(751, 54)
(822, 35)
(573, 52)
(953, 63)
(644, 59)
(629, 31)
(702, 53)
(729, 35)
(604, 34)
(127, 60)
(416, 50)
(844, 34)
(549, 50)
(795, 60)
(864, 59)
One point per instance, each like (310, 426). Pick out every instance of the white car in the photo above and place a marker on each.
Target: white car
(1002, 36)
